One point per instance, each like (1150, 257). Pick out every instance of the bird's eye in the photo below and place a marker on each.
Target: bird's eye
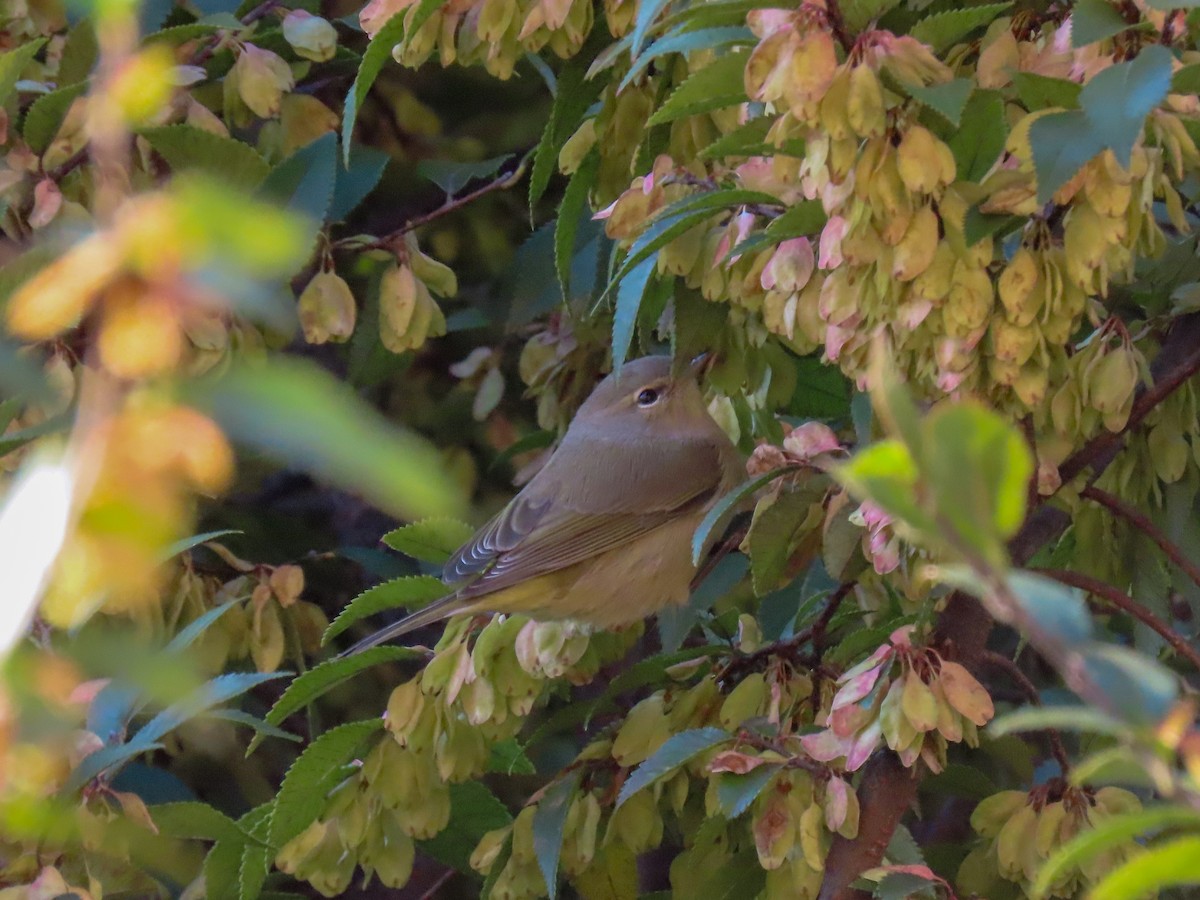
(647, 397)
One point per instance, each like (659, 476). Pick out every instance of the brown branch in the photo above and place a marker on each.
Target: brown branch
(205, 53)
(1114, 597)
(837, 24)
(1010, 668)
(387, 241)
(1142, 522)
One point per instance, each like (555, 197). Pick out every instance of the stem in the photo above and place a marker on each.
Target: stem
(1143, 524)
(837, 24)
(205, 53)
(1014, 672)
(1114, 597)
(503, 182)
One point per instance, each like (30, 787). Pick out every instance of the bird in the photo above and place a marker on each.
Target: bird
(602, 534)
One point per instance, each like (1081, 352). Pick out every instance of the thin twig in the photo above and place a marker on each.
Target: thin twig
(502, 183)
(205, 53)
(837, 24)
(439, 884)
(1143, 523)
(1114, 597)
(1030, 690)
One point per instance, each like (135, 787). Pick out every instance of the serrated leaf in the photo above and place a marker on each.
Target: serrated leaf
(217, 690)
(1117, 99)
(46, 115)
(549, 825)
(100, 761)
(407, 592)
(498, 866)
(222, 867)
(1186, 80)
(903, 849)
(1062, 143)
(304, 181)
(474, 811)
(79, 53)
(310, 685)
(188, 148)
(904, 886)
(430, 540)
(576, 92)
(647, 12)
(948, 99)
(688, 42)
(177, 35)
(736, 792)
(1168, 864)
(1107, 833)
(1094, 20)
(773, 535)
(192, 631)
(453, 176)
(858, 14)
(302, 795)
(378, 51)
(12, 63)
(194, 820)
(749, 139)
(507, 758)
(725, 505)
(675, 751)
(571, 210)
(1039, 92)
(714, 14)
(979, 141)
(942, 30)
(260, 728)
(717, 85)
(632, 289)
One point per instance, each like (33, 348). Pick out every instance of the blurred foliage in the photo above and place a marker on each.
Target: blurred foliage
(281, 278)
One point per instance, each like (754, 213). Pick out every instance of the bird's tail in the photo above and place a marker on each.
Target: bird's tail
(434, 612)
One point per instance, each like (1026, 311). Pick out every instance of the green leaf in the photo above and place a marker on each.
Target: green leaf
(773, 536)
(886, 473)
(474, 811)
(1062, 143)
(735, 792)
(178, 35)
(575, 94)
(675, 751)
(1039, 92)
(1186, 80)
(79, 54)
(858, 14)
(498, 866)
(360, 176)
(717, 85)
(452, 176)
(905, 886)
(750, 139)
(1134, 685)
(1058, 609)
(979, 467)
(189, 634)
(46, 115)
(507, 758)
(978, 225)
(948, 99)
(944, 29)
(188, 148)
(183, 545)
(633, 287)
(978, 142)
(1108, 833)
(260, 728)
(687, 42)
(377, 53)
(725, 506)
(302, 415)
(647, 12)
(310, 685)
(903, 849)
(716, 13)
(302, 795)
(303, 183)
(13, 63)
(222, 867)
(822, 391)
(549, 825)
(407, 592)
(1064, 718)
(104, 759)
(1118, 99)
(571, 210)
(803, 219)
(430, 540)
(1169, 864)
(195, 821)
(217, 690)
(1094, 20)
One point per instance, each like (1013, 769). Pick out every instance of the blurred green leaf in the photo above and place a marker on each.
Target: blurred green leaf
(452, 176)
(1058, 609)
(189, 148)
(1136, 686)
(303, 183)
(46, 115)
(378, 52)
(430, 540)
(407, 592)
(1064, 718)
(1095, 20)
(886, 473)
(13, 63)
(1172, 863)
(302, 416)
(302, 795)
(364, 168)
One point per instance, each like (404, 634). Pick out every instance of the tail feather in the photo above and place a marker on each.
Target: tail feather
(434, 612)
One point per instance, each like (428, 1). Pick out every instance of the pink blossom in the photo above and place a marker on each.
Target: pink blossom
(791, 266)
(831, 243)
(811, 440)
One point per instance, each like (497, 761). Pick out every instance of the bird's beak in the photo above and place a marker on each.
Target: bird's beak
(700, 364)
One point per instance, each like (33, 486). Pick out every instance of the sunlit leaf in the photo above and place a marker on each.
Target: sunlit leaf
(677, 750)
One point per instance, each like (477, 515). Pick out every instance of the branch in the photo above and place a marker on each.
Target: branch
(205, 53)
(1114, 597)
(1142, 523)
(999, 661)
(503, 182)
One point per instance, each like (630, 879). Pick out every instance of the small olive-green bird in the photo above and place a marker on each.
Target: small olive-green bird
(602, 534)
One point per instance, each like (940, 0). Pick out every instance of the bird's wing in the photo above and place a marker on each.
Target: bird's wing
(548, 527)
